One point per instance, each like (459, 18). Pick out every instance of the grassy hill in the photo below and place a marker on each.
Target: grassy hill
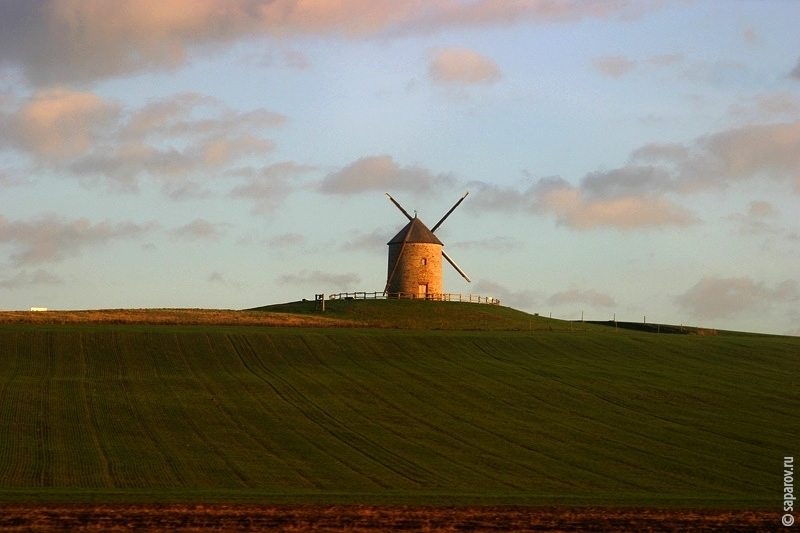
(425, 315)
(489, 405)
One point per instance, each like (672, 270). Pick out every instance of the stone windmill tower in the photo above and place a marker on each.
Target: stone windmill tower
(415, 259)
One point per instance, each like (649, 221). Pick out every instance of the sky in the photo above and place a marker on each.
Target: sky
(628, 159)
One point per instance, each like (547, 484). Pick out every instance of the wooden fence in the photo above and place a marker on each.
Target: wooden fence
(444, 297)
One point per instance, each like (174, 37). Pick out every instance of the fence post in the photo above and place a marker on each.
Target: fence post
(320, 302)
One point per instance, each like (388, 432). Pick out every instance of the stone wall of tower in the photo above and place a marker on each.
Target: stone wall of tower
(419, 264)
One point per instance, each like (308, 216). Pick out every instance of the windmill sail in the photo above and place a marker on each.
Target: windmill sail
(458, 268)
(415, 263)
(448, 213)
(400, 207)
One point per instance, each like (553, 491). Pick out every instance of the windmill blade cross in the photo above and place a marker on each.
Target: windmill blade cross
(448, 214)
(458, 268)
(400, 207)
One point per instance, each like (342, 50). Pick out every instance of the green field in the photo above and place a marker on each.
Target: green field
(513, 409)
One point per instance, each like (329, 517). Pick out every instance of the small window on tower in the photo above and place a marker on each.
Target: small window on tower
(424, 261)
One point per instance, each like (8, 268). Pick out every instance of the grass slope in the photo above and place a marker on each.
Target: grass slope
(426, 315)
(213, 413)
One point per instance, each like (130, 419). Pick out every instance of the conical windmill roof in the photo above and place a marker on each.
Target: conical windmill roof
(415, 232)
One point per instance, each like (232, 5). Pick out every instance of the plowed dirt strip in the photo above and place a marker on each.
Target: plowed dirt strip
(365, 519)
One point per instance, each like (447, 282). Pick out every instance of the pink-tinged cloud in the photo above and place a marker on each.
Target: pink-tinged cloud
(660, 153)
(49, 238)
(751, 36)
(745, 153)
(769, 150)
(63, 40)
(58, 124)
(194, 115)
(198, 229)
(573, 208)
(613, 66)
(462, 66)
(99, 141)
(777, 104)
(621, 203)
(727, 297)
(380, 173)
(760, 209)
(757, 219)
(217, 152)
(269, 186)
(643, 193)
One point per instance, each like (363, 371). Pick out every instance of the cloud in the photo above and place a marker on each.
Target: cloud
(317, 278)
(166, 140)
(56, 124)
(374, 241)
(618, 66)
(577, 296)
(642, 194)
(766, 107)
(78, 40)
(462, 66)
(27, 279)
(269, 186)
(626, 181)
(574, 210)
(7, 180)
(768, 150)
(751, 37)
(738, 154)
(196, 116)
(621, 203)
(380, 173)
(613, 66)
(795, 73)
(217, 278)
(285, 240)
(728, 297)
(122, 166)
(756, 220)
(760, 208)
(50, 238)
(198, 229)
(518, 299)
(782, 103)
(499, 243)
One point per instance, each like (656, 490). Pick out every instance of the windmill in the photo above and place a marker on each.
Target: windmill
(415, 258)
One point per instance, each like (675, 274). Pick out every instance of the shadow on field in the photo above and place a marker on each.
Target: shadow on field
(654, 328)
